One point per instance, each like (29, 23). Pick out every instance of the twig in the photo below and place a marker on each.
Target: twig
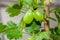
(46, 10)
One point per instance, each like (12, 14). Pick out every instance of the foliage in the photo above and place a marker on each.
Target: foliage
(31, 21)
(13, 33)
(33, 27)
(2, 27)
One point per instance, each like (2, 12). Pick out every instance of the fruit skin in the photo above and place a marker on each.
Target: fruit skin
(38, 15)
(28, 17)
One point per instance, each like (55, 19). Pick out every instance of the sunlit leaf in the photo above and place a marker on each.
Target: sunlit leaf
(33, 27)
(14, 10)
(41, 36)
(27, 3)
(2, 27)
(13, 33)
(57, 13)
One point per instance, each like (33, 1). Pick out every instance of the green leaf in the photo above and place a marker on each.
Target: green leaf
(28, 30)
(56, 10)
(13, 32)
(19, 2)
(57, 13)
(55, 34)
(58, 30)
(32, 28)
(22, 24)
(10, 24)
(27, 3)
(35, 1)
(14, 10)
(37, 4)
(52, 18)
(41, 36)
(2, 27)
(11, 5)
(58, 17)
(42, 2)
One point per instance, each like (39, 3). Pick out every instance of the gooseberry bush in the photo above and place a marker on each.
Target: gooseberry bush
(32, 20)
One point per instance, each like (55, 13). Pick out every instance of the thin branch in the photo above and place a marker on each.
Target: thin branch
(46, 20)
